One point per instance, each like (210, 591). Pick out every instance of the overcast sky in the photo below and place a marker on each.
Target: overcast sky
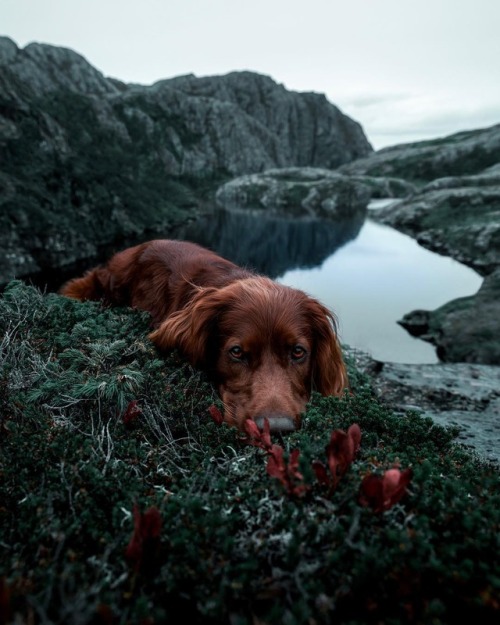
(405, 69)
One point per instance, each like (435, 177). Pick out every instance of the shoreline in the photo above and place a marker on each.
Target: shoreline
(463, 395)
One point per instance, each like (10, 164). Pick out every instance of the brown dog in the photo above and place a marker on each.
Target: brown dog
(265, 345)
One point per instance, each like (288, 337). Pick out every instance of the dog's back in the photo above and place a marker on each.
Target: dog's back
(158, 276)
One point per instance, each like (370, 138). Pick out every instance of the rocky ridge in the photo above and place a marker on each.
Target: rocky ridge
(90, 162)
(461, 154)
(311, 131)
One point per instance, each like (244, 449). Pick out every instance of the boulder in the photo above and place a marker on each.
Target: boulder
(310, 191)
(463, 330)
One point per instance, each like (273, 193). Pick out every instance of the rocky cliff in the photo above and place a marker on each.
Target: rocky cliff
(87, 161)
(309, 130)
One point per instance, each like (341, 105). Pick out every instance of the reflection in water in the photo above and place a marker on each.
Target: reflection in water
(268, 244)
(271, 244)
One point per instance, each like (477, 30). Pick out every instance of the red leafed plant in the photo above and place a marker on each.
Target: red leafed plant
(287, 473)
(378, 492)
(381, 492)
(131, 414)
(256, 437)
(145, 538)
(340, 453)
(216, 414)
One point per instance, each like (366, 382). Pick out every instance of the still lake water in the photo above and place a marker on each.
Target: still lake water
(368, 274)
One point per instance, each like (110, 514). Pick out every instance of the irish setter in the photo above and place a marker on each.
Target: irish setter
(265, 345)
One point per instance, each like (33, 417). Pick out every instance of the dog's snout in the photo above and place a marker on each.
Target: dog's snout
(277, 422)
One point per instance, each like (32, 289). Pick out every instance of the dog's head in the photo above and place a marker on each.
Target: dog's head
(266, 346)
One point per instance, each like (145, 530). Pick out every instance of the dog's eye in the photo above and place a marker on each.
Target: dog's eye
(236, 352)
(298, 352)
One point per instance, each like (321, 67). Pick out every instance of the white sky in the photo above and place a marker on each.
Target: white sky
(405, 69)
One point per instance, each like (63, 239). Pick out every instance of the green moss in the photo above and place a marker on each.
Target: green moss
(233, 546)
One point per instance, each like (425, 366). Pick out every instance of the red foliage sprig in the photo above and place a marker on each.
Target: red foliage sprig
(256, 437)
(216, 414)
(131, 414)
(145, 539)
(286, 472)
(381, 492)
(340, 454)
(378, 492)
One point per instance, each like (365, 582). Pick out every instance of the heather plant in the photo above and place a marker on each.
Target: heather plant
(124, 498)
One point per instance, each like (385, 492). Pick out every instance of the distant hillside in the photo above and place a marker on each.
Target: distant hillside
(88, 160)
(463, 153)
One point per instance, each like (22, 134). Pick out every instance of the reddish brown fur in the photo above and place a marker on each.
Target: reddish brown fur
(204, 305)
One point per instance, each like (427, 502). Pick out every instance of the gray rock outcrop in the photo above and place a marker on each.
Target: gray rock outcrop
(465, 329)
(310, 130)
(457, 217)
(463, 396)
(461, 154)
(44, 69)
(298, 191)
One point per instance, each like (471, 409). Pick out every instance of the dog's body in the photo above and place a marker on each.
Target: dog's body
(265, 345)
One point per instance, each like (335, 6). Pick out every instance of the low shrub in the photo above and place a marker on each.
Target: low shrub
(123, 499)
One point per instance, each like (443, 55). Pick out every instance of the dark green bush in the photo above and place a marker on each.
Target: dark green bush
(95, 424)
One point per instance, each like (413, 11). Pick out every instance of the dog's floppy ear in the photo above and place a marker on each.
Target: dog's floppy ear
(329, 375)
(193, 329)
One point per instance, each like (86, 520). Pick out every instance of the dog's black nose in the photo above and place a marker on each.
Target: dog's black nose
(277, 422)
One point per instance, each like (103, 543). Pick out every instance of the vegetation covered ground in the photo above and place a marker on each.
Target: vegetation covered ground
(124, 500)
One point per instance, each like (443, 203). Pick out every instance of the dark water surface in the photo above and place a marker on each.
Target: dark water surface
(370, 275)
